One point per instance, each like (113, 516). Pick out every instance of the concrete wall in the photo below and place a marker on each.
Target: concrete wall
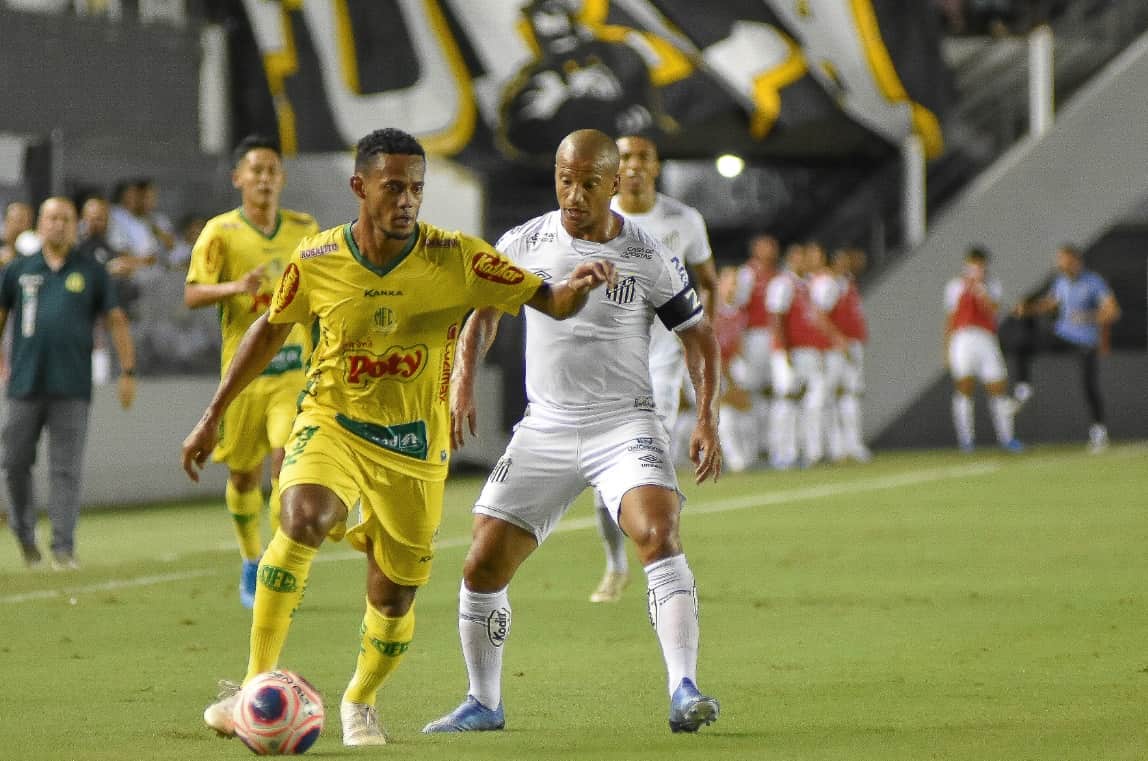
(133, 455)
(1057, 412)
(1071, 185)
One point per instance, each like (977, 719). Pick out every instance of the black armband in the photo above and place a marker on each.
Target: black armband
(680, 309)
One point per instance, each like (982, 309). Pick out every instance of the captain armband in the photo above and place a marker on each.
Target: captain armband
(682, 311)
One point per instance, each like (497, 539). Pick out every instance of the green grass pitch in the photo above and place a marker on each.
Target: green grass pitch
(925, 606)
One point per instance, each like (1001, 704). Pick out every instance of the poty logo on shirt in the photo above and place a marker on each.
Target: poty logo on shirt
(496, 269)
(399, 362)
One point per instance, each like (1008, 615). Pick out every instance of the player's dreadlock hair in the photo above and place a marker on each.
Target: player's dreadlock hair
(250, 143)
(389, 140)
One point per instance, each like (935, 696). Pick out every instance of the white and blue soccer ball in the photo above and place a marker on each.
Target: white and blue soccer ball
(278, 713)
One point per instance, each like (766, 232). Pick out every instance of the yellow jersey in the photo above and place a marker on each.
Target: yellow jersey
(385, 336)
(228, 248)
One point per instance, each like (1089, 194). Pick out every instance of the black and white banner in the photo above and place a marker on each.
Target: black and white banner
(491, 80)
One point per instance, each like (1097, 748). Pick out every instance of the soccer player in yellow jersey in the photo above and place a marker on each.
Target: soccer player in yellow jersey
(387, 295)
(236, 262)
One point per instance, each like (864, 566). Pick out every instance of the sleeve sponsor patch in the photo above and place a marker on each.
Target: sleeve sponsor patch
(311, 253)
(494, 268)
(288, 287)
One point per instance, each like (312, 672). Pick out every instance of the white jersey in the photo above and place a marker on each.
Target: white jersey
(682, 230)
(597, 362)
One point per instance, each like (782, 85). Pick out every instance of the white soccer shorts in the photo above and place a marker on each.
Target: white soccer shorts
(805, 367)
(976, 353)
(547, 464)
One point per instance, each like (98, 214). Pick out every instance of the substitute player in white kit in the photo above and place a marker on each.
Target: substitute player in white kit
(590, 422)
(682, 230)
(974, 352)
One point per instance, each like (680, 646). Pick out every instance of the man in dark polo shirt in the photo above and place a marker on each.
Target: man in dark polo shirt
(54, 298)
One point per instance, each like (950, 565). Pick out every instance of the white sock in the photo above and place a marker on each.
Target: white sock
(963, 419)
(849, 414)
(483, 626)
(673, 606)
(812, 426)
(613, 540)
(783, 432)
(738, 449)
(1001, 408)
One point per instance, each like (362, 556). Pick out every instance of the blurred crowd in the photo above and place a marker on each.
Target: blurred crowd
(147, 257)
(792, 331)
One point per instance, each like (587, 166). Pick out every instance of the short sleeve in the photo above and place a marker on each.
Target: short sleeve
(291, 302)
(106, 297)
(206, 265)
(8, 287)
(825, 292)
(953, 294)
(779, 294)
(697, 249)
(493, 280)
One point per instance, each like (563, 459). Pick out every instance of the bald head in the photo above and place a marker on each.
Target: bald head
(57, 225)
(585, 179)
(589, 146)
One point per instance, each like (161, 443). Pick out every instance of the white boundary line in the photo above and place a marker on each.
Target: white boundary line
(697, 507)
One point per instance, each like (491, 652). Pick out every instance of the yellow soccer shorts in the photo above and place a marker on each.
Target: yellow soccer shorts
(398, 515)
(258, 421)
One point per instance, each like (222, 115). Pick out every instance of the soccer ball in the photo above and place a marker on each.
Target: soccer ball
(278, 713)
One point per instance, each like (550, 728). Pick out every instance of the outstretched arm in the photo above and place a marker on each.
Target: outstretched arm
(259, 345)
(703, 361)
(473, 343)
(566, 298)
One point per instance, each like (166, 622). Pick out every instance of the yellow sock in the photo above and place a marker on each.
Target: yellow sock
(385, 641)
(244, 507)
(283, 575)
(274, 505)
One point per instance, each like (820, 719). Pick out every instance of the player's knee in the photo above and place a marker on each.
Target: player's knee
(391, 600)
(485, 573)
(244, 481)
(656, 540)
(306, 521)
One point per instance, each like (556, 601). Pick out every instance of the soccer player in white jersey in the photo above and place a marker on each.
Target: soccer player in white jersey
(682, 230)
(590, 421)
(848, 316)
(801, 336)
(825, 290)
(974, 352)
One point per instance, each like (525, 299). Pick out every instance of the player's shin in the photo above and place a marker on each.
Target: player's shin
(244, 507)
(385, 641)
(673, 607)
(283, 573)
(483, 626)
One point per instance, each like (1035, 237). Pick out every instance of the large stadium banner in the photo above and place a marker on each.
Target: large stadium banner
(506, 79)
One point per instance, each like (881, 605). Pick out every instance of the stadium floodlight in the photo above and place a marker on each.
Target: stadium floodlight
(729, 165)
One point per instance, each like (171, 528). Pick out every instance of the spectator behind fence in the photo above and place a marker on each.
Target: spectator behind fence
(18, 219)
(55, 297)
(130, 232)
(190, 226)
